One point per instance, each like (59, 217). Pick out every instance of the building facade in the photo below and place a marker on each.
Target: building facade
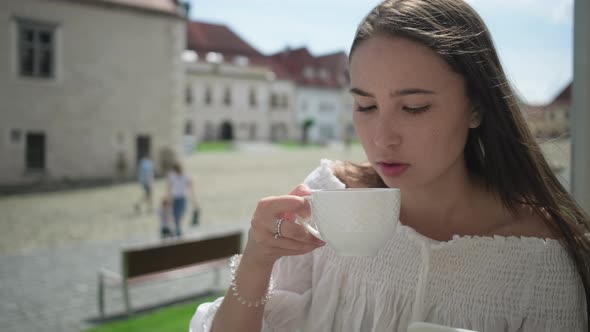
(236, 93)
(322, 97)
(551, 120)
(87, 87)
(228, 101)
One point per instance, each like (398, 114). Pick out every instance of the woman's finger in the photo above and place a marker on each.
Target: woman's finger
(293, 245)
(293, 231)
(301, 190)
(270, 209)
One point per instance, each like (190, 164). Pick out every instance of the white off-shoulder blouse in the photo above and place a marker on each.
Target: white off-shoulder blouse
(485, 284)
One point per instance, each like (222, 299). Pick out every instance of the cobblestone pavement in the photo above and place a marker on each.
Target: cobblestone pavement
(52, 244)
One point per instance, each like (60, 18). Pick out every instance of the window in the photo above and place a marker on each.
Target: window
(188, 128)
(189, 56)
(35, 151)
(326, 132)
(326, 107)
(36, 49)
(241, 60)
(274, 100)
(208, 96)
(214, 57)
(252, 97)
(227, 96)
(309, 73)
(189, 95)
(304, 105)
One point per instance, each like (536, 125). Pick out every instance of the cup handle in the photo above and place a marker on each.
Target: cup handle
(305, 222)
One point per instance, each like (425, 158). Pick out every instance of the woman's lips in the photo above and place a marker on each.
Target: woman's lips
(392, 169)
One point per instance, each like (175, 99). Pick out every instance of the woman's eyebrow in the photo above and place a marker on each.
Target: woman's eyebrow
(398, 93)
(410, 91)
(360, 92)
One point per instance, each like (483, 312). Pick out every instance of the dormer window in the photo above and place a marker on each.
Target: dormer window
(309, 73)
(241, 60)
(214, 57)
(189, 56)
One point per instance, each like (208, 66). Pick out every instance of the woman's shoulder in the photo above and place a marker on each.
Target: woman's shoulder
(526, 222)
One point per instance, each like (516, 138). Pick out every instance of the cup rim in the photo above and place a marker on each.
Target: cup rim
(368, 190)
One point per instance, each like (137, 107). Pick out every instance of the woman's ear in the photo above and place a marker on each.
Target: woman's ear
(476, 118)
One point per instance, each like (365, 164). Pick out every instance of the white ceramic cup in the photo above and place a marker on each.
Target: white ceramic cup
(356, 221)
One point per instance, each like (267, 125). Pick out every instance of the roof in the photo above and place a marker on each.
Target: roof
(328, 70)
(565, 96)
(169, 7)
(207, 37)
(299, 61)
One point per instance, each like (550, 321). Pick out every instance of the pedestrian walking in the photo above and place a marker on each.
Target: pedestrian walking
(165, 216)
(180, 189)
(145, 177)
(487, 238)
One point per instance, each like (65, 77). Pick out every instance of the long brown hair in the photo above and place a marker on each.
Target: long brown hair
(502, 150)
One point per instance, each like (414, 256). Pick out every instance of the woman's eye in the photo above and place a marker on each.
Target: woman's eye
(416, 110)
(360, 108)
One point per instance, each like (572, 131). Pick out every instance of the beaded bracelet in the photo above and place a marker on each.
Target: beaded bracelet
(234, 263)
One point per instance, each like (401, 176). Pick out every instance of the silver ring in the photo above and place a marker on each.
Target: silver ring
(278, 225)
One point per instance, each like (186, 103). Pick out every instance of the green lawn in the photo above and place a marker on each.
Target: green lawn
(296, 145)
(171, 319)
(215, 146)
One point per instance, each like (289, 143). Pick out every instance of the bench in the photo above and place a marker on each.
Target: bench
(170, 258)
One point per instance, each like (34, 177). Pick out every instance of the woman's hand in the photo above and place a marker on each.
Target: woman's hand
(263, 249)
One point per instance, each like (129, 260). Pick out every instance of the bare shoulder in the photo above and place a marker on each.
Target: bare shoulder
(526, 223)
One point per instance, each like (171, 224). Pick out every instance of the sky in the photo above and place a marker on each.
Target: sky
(534, 38)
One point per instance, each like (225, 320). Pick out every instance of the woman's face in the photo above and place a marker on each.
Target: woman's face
(411, 112)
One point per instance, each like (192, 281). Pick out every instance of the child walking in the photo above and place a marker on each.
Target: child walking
(165, 214)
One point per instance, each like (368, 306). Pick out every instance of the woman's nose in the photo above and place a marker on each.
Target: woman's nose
(387, 133)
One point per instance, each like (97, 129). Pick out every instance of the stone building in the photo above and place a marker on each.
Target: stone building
(88, 86)
(551, 120)
(321, 92)
(234, 92)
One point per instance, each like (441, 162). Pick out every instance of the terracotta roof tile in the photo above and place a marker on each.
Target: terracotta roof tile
(330, 70)
(565, 95)
(297, 61)
(164, 6)
(207, 37)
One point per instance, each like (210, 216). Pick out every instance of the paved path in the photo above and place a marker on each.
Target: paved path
(52, 245)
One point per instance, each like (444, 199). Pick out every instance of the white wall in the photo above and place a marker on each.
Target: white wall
(240, 80)
(327, 108)
(119, 74)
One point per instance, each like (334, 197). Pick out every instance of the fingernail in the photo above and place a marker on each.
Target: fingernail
(320, 242)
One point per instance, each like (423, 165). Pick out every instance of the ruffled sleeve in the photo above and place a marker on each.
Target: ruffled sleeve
(288, 307)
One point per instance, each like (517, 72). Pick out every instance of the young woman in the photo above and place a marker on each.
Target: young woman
(180, 187)
(488, 239)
